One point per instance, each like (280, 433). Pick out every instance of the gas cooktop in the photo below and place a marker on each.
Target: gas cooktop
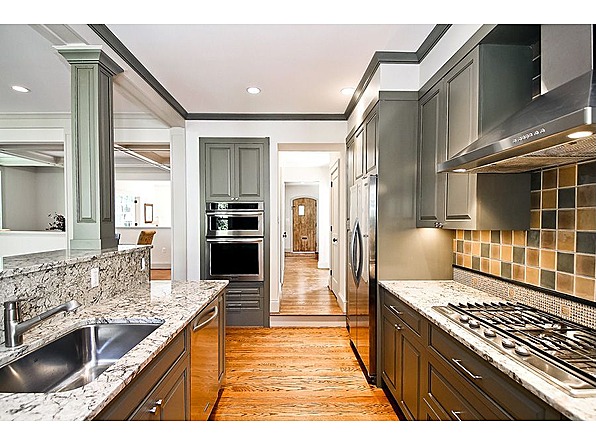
(561, 351)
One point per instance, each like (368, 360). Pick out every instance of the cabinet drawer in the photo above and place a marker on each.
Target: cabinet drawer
(233, 291)
(410, 317)
(494, 386)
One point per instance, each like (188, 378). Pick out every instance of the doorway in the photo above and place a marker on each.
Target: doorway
(304, 225)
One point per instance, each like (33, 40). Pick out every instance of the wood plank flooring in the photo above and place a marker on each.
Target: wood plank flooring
(160, 274)
(301, 374)
(305, 290)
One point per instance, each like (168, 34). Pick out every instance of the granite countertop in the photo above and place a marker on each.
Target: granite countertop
(423, 295)
(174, 304)
(40, 261)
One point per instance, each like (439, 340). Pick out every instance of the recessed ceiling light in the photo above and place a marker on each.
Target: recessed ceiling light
(348, 91)
(20, 89)
(577, 135)
(253, 90)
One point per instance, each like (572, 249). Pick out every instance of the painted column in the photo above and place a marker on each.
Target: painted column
(92, 167)
(178, 182)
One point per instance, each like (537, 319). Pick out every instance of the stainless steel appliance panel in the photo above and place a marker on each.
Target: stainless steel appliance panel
(240, 259)
(234, 224)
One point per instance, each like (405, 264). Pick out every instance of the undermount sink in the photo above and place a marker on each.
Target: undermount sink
(74, 359)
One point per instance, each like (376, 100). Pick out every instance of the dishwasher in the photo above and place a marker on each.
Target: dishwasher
(204, 361)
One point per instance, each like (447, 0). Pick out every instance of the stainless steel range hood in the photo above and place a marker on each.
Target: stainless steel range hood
(538, 136)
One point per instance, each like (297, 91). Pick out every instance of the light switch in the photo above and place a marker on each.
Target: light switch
(143, 264)
(94, 277)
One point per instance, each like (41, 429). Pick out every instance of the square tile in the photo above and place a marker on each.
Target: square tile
(547, 279)
(459, 234)
(467, 261)
(532, 276)
(459, 260)
(535, 219)
(547, 259)
(507, 253)
(586, 173)
(549, 199)
(586, 196)
(484, 265)
(476, 249)
(485, 236)
(495, 251)
(585, 242)
(549, 179)
(475, 236)
(567, 176)
(495, 267)
(506, 270)
(467, 235)
(495, 236)
(564, 283)
(547, 239)
(506, 237)
(565, 240)
(549, 220)
(566, 198)
(565, 262)
(535, 199)
(534, 239)
(454, 245)
(585, 265)
(566, 219)
(484, 250)
(586, 219)
(460, 246)
(519, 238)
(519, 272)
(519, 255)
(467, 247)
(532, 257)
(584, 288)
(535, 181)
(476, 263)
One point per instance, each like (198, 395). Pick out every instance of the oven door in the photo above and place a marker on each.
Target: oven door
(234, 224)
(235, 259)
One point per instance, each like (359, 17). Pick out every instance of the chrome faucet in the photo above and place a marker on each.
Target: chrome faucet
(14, 327)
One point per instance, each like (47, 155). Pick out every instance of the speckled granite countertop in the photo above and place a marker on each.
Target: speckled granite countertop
(175, 304)
(423, 295)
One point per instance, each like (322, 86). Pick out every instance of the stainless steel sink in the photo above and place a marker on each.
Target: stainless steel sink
(73, 360)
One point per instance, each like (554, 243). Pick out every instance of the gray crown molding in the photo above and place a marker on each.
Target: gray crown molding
(380, 57)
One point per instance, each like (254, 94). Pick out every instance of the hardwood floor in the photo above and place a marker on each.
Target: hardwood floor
(305, 291)
(160, 274)
(296, 374)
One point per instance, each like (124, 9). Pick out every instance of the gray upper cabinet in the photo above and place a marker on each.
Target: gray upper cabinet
(372, 144)
(359, 152)
(234, 172)
(489, 84)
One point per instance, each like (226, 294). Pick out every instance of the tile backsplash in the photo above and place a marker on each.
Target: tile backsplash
(558, 252)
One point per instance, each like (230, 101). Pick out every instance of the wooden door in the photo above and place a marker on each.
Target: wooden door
(304, 224)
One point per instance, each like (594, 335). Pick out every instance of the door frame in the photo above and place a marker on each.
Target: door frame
(316, 223)
(335, 170)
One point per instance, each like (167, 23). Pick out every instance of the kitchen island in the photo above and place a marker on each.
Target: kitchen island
(173, 305)
(422, 296)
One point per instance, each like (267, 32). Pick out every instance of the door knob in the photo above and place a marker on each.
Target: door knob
(334, 240)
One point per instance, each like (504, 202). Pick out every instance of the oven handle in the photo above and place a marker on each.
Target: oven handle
(235, 240)
(235, 214)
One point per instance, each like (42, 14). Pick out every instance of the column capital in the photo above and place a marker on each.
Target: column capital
(88, 54)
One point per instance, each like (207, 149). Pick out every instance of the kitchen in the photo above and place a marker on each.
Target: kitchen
(449, 252)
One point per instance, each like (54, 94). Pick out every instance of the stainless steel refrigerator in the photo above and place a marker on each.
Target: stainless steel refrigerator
(362, 277)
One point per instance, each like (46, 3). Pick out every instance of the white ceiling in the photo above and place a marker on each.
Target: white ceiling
(299, 68)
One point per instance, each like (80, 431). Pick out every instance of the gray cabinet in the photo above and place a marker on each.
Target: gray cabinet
(234, 171)
(432, 376)
(160, 392)
(363, 148)
(245, 304)
(485, 87)
(371, 147)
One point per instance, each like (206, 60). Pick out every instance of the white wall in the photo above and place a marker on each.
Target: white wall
(26, 242)
(29, 194)
(156, 193)
(161, 253)
(279, 132)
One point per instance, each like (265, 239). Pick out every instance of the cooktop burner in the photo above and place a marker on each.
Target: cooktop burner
(560, 350)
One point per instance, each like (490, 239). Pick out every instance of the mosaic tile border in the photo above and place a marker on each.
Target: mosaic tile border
(571, 310)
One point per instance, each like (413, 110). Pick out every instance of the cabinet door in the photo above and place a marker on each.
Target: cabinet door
(219, 172)
(350, 175)
(175, 400)
(389, 343)
(249, 172)
(410, 369)
(431, 184)
(359, 153)
(371, 143)
(462, 95)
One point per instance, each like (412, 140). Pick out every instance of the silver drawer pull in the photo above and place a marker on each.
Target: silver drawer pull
(153, 410)
(395, 310)
(461, 366)
(397, 327)
(456, 414)
(206, 407)
(202, 324)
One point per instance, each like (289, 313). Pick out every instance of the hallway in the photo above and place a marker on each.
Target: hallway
(305, 291)
(296, 374)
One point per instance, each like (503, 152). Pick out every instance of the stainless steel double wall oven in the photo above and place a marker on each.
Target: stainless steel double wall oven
(234, 242)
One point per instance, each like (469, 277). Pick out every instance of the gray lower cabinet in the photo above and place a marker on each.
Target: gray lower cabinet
(485, 87)
(432, 376)
(245, 304)
(234, 171)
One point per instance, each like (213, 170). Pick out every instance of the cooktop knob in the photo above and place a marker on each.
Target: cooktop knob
(489, 333)
(508, 343)
(473, 324)
(522, 351)
(464, 318)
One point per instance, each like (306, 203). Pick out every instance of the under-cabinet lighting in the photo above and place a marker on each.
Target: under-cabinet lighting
(348, 91)
(253, 90)
(20, 89)
(459, 170)
(577, 135)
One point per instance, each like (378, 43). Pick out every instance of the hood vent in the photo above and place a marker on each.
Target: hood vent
(538, 136)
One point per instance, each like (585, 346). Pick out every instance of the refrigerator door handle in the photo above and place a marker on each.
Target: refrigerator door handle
(353, 253)
(358, 232)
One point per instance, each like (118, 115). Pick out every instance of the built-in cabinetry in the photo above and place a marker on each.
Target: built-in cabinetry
(163, 391)
(363, 148)
(431, 376)
(234, 171)
(489, 84)
(237, 169)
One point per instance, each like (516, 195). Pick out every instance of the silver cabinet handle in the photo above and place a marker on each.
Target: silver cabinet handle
(153, 410)
(395, 310)
(461, 366)
(202, 324)
(456, 415)
(397, 327)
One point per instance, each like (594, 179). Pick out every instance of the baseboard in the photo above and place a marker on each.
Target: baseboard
(161, 265)
(336, 320)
